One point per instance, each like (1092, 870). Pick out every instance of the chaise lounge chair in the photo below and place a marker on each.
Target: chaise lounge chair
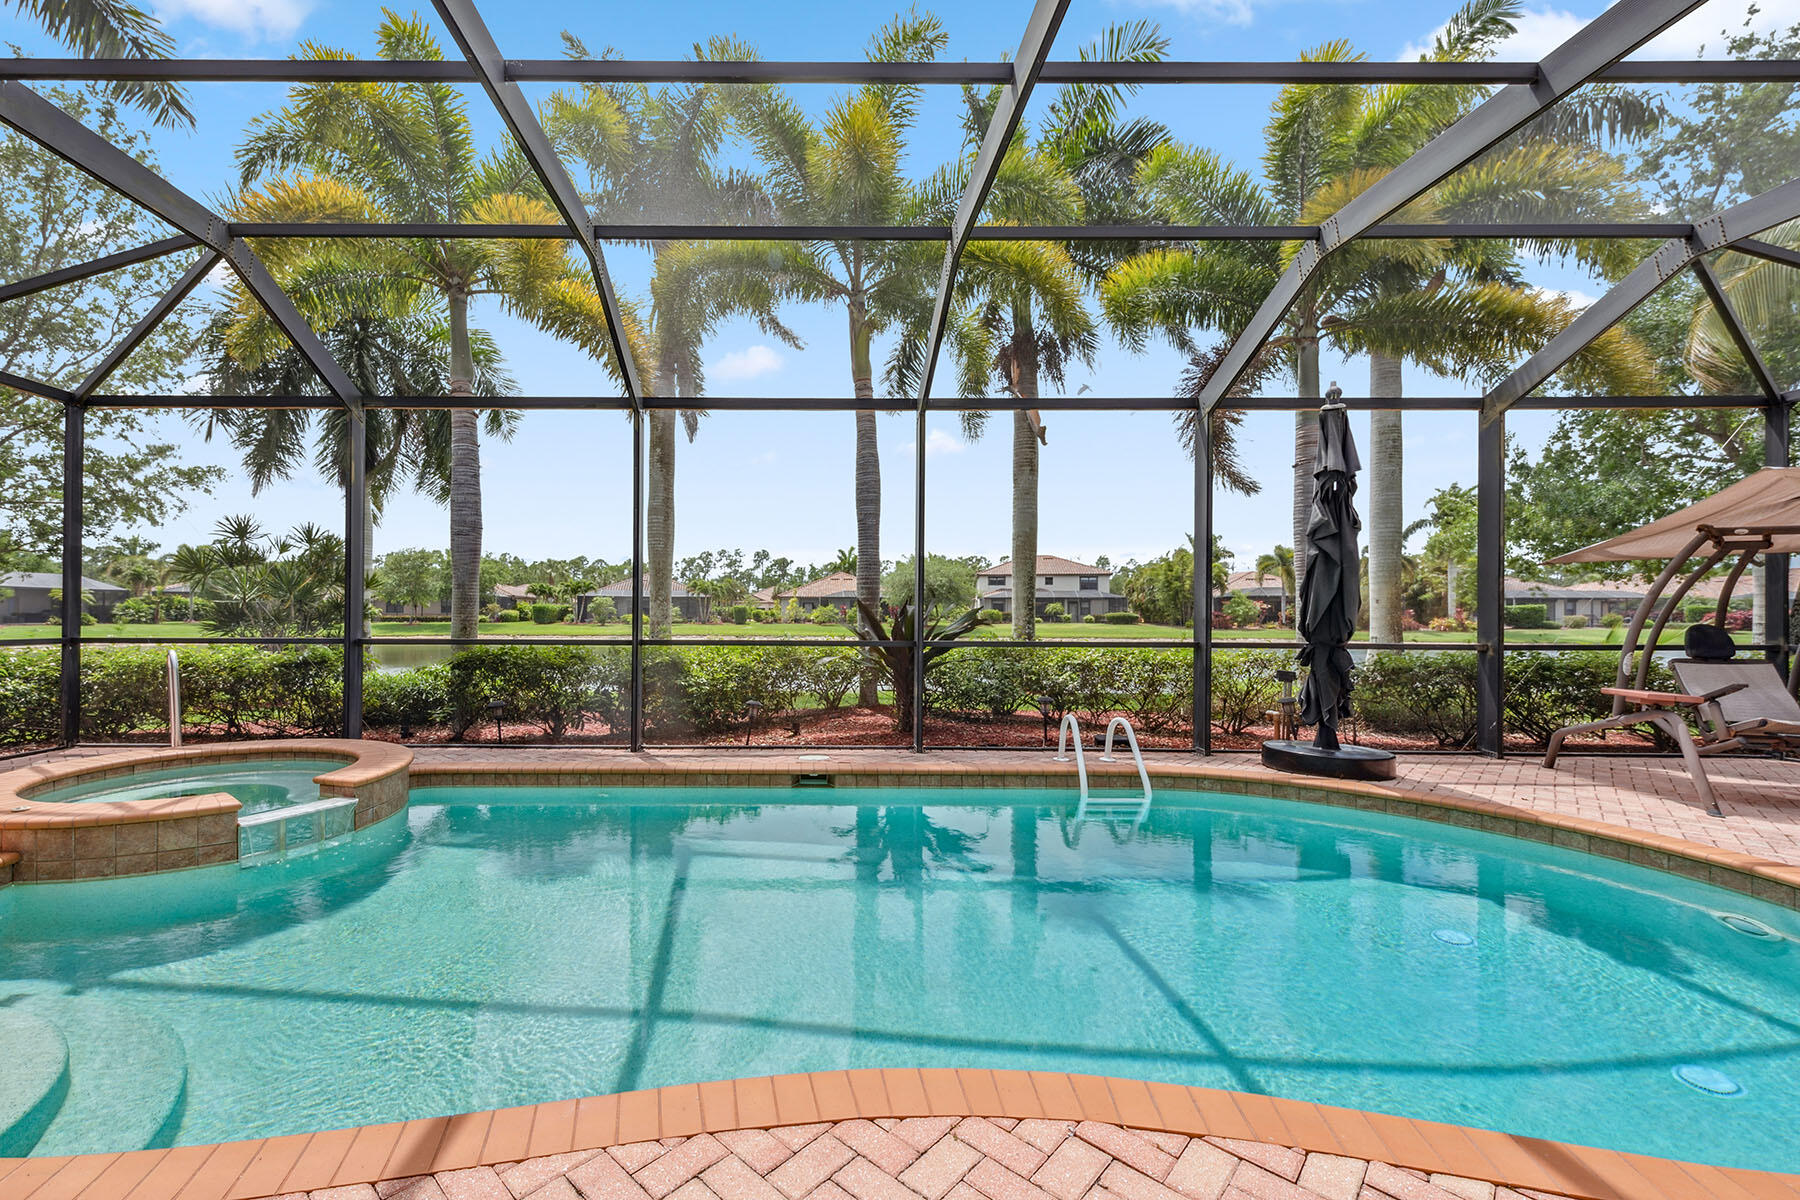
(1737, 703)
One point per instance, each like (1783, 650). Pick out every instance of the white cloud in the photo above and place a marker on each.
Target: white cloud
(1701, 28)
(271, 20)
(1232, 12)
(1541, 30)
(937, 442)
(1577, 299)
(1536, 33)
(747, 363)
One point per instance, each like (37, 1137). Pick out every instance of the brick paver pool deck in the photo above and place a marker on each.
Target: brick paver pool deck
(1002, 1135)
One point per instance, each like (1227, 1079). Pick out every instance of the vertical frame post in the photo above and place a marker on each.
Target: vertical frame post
(356, 549)
(918, 646)
(69, 678)
(1203, 566)
(1777, 422)
(1490, 585)
(637, 579)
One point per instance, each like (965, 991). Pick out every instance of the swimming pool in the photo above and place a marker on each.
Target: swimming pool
(258, 784)
(504, 946)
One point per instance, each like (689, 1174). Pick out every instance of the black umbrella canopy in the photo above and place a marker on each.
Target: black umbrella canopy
(1331, 595)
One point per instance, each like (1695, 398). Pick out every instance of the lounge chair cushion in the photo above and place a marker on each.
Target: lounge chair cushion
(1708, 643)
(1766, 697)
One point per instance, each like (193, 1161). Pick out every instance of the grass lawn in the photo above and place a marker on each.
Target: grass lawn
(1069, 631)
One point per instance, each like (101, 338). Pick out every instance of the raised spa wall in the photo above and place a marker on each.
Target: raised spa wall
(51, 841)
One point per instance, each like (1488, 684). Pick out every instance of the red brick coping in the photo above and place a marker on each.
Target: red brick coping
(1399, 1158)
(94, 840)
(1764, 878)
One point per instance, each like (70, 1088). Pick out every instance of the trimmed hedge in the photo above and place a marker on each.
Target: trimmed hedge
(247, 691)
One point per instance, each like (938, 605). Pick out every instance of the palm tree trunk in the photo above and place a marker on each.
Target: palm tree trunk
(465, 479)
(1025, 478)
(1306, 446)
(868, 486)
(659, 518)
(1386, 518)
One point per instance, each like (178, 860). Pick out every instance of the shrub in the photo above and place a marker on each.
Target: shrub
(1055, 613)
(992, 616)
(135, 610)
(545, 614)
(602, 611)
(830, 674)
(1737, 619)
(739, 614)
(1696, 611)
(1090, 619)
(554, 686)
(1419, 692)
(1122, 617)
(825, 614)
(1527, 616)
(507, 616)
(989, 681)
(29, 687)
(1244, 686)
(1546, 691)
(1613, 620)
(419, 697)
(1575, 622)
(1242, 610)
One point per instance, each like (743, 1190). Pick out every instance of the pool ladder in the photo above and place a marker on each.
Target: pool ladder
(1110, 805)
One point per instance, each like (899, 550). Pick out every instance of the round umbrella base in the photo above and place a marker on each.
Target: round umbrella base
(1346, 762)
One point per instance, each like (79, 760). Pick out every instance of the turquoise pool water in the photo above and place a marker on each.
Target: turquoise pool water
(497, 947)
(257, 784)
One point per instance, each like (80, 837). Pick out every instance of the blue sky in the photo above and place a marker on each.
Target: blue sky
(1116, 484)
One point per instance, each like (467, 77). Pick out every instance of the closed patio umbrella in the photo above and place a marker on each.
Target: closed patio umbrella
(1331, 594)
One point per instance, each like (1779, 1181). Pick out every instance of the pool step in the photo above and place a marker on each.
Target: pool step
(127, 1076)
(33, 1082)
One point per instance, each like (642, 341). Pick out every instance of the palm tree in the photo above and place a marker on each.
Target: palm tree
(1279, 563)
(197, 567)
(650, 156)
(1456, 308)
(1766, 295)
(115, 29)
(846, 170)
(404, 152)
(383, 355)
(1021, 311)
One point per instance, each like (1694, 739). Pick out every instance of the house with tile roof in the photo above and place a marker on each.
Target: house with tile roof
(25, 596)
(1082, 590)
(837, 589)
(689, 606)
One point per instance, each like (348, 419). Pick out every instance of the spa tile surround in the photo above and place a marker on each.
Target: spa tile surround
(67, 840)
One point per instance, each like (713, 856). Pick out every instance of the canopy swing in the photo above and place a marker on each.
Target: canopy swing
(1738, 702)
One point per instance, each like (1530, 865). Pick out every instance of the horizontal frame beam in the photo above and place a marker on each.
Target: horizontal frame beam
(1512, 230)
(856, 71)
(851, 404)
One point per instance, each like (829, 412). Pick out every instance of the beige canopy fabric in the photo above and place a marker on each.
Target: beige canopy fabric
(1767, 500)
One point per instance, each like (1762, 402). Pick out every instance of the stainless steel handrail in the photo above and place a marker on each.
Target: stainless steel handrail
(174, 700)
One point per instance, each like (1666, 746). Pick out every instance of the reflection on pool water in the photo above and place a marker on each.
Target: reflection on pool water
(503, 946)
(257, 784)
